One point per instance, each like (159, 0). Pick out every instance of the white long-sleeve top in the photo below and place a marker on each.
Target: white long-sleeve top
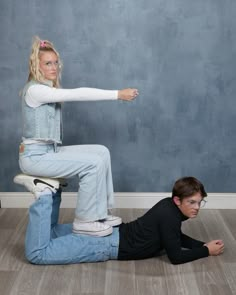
(40, 94)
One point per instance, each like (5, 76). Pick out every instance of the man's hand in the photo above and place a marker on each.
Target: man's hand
(215, 247)
(127, 94)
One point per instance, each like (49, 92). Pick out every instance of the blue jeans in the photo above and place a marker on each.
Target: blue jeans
(90, 163)
(48, 242)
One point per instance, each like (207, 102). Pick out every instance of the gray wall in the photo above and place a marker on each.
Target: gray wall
(179, 54)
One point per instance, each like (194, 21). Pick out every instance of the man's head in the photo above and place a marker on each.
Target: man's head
(188, 194)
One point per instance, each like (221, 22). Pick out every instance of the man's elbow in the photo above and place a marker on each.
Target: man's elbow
(176, 260)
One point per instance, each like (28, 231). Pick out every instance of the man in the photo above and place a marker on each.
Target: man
(160, 228)
(48, 242)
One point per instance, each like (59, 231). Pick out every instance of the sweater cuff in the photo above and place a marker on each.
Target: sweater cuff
(206, 250)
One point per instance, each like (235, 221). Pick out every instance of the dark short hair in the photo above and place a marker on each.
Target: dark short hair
(188, 186)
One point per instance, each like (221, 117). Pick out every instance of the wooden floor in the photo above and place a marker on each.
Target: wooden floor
(212, 275)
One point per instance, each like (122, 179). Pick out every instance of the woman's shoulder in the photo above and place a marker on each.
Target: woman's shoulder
(33, 84)
(27, 86)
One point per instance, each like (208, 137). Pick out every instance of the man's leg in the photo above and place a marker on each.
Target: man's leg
(71, 248)
(58, 230)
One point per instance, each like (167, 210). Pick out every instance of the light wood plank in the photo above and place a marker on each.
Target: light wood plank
(7, 279)
(211, 275)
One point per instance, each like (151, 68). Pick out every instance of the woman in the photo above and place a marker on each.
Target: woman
(41, 152)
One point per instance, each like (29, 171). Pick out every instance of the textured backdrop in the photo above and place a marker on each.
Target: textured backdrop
(179, 54)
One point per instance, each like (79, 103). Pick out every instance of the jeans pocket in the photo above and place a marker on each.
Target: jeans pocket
(33, 154)
(28, 161)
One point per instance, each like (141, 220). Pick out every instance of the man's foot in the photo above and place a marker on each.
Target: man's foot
(112, 220)
(94, 228)
(63, 182)
(37, 184)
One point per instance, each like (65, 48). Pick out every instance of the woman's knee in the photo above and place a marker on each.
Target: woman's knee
(103, 150)
(105, 154)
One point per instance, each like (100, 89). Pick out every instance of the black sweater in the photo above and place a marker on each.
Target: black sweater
(159, 229)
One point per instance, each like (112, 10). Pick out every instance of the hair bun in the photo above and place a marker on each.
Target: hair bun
(42, 43)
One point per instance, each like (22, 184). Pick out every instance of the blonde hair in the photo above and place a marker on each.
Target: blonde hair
(39, 46)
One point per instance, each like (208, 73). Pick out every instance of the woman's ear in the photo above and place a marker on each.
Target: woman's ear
(177, 201)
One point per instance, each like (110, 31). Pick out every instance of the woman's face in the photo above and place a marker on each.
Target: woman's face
(49, 65)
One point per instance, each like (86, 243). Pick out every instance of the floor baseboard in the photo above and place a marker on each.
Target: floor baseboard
(122, 200)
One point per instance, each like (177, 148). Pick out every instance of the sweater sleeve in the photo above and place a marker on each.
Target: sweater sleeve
(42, 94)
(190, 243)
(171, 240)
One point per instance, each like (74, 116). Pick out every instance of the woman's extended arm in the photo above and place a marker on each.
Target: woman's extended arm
(41, 94)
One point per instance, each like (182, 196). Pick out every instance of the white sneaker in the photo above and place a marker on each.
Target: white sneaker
(37, 184)
(112, 220)
(94, 228)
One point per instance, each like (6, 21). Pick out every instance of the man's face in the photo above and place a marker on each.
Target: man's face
(190, 206)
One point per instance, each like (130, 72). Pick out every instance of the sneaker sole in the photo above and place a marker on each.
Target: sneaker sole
(102, 233)
(113, 223)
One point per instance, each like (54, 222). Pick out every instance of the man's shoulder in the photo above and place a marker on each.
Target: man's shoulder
(168, 210)
(166, 202)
